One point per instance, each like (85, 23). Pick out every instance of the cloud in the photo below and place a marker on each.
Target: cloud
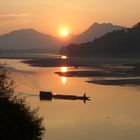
(11, 16)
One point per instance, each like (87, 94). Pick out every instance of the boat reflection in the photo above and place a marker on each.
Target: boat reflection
(48, 96)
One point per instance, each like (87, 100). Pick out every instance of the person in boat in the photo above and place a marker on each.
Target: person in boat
(84, 95)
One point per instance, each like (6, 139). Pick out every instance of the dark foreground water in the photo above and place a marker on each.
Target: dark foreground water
(112, 114)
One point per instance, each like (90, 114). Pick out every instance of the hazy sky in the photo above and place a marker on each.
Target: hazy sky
(48, 15)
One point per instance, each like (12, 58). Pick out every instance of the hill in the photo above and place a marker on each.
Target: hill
(119, 42)
(29, 40)
(94, 31)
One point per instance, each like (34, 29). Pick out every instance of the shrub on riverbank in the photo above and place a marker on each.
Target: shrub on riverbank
(17, 120)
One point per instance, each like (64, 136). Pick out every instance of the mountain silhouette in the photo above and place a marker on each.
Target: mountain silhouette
(94, 31)
(120, 42)
(29, 40)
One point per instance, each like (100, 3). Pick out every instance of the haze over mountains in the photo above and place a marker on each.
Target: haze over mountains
(124, 42)
(30, 40)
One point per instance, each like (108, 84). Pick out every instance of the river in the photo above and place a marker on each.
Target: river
(112, 113)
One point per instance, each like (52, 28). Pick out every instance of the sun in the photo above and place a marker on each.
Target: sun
(64, 32)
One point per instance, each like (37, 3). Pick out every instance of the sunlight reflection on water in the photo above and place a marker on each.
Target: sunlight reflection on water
(64, 69)
(64, 80)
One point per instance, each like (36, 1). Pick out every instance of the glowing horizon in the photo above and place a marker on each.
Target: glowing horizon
(48, 16)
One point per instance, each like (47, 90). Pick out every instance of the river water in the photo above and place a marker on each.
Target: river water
(112, 114)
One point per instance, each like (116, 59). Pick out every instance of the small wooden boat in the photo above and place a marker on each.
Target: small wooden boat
(45, 95)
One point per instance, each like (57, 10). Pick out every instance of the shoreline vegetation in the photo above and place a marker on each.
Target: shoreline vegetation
(17, 119)
(80, 61)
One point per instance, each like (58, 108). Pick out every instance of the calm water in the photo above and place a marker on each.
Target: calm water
(112, 114)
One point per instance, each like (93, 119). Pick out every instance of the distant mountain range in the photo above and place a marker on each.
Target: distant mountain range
(30, 40)
(95, 31)
(120, 42)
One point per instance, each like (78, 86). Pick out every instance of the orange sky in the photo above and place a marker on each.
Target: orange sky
(49, 15)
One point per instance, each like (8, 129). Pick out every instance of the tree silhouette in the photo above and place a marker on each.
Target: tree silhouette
(17, 120)
(116, 43)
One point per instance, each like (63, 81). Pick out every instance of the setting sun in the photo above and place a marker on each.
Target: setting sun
(64, 32)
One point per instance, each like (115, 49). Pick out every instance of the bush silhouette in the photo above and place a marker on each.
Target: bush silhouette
(17, 120)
